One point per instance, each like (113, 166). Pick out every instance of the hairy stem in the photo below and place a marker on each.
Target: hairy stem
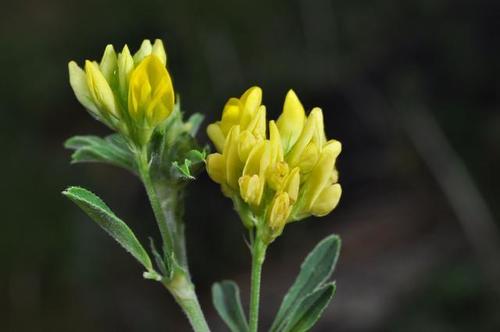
(183, 291)
(258, 256)
(143, 164)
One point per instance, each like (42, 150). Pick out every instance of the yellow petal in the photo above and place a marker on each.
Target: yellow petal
(151, 94)
(216, 167)
(275, 140)
(319, 134)
(108, 63)
(250, 102)
(78, 81)
(327, 200)
(230, 115)
(291, 121)
(215, 134)
(143, 51)
(100, 89)
(253, 162)
(258, 124)
(291, 184)
(246, 143)
(233, 163)
(276, 174)
(305, 137)
(159, 50)
(125, 67)
(309, 158)
(320, 175)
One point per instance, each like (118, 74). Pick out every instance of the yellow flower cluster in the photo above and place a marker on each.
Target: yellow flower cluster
(284, 176)
(131, 94)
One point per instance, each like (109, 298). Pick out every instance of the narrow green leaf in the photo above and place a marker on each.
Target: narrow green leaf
(98, 211)
(227, 302)
(309, 310)
(314, 272)
(111, 150)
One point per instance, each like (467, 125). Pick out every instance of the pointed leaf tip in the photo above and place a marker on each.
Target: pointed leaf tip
(98, 211)
(227, 302)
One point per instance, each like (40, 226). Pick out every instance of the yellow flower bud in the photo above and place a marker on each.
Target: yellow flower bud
(276, 174)
(234, 165)
(159, 50)
(143, 51)
(276, 145)
(280, 210)
(319, 133)
(151, 94)
(291, 122)
(125, 68)
(130, 94)
(78, 82)
(327, 200)
(322, 172)
(216, 167)
(108, 63)
(99, 89)
(250, 102)
(251, 188)
(230, 115)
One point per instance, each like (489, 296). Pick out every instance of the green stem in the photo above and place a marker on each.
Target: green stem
(180, 286)
(143, 164)
(258, 256)
(183, 291)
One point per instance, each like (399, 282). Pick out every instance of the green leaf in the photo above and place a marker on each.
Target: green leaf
(110, 150)
(191, 165)
(309, 310)
(98, 211)
(194, 122)
(314, 272)
(183, 170)
(227, 302)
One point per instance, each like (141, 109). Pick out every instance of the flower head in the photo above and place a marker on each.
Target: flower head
(130, 94)
(285, 176)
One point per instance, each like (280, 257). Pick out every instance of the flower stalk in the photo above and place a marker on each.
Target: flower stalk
(180, 285)
(258, 257)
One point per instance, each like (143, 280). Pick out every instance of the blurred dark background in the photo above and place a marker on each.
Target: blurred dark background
(411, 88)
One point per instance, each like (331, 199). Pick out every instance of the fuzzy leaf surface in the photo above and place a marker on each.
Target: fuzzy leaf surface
(227, 302)
(314, 272)
(98, 211)
(309, 310)
(111, 150)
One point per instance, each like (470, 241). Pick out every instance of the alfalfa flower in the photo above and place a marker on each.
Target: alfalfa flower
(283, 177)
(130, 94)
